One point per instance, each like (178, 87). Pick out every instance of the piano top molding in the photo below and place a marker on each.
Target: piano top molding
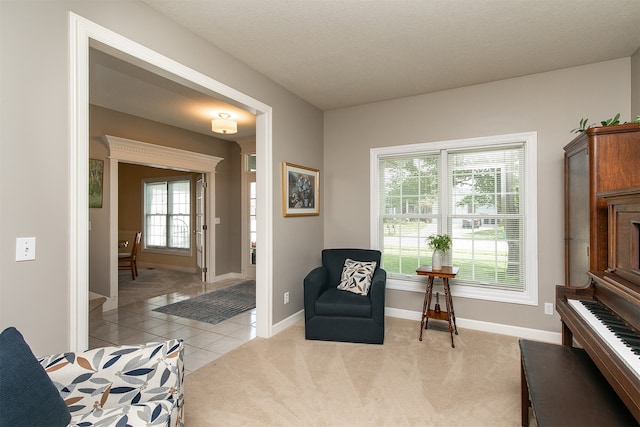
(619, 193)
(602, 130)
(129, 150)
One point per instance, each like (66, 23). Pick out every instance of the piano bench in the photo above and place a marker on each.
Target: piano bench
(564, 387)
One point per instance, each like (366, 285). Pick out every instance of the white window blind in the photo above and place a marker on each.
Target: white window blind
(478, 191)
(486, 217)
(409, 209)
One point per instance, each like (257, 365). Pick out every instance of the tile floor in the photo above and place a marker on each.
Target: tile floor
(134, 321)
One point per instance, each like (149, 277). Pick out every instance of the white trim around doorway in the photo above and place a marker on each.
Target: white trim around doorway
(81, 33)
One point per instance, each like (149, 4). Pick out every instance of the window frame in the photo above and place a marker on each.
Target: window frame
(168, 250)
(528, 296)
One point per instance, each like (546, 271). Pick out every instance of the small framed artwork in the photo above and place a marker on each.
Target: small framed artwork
(300, 190)
(96, 168)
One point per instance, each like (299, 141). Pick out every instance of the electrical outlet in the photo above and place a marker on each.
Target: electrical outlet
(25, 248)
(548, 308)
(286, 297)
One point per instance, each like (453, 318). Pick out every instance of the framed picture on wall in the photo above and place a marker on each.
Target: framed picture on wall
(300, 190)
(96, 168)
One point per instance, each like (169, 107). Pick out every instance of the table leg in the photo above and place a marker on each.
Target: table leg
(445, 283)
(452, 313)
(426, 305)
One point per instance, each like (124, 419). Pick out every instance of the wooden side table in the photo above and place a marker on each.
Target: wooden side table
(445, 274)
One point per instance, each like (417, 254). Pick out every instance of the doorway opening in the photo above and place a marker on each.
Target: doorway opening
(123, 150)
(83, 34)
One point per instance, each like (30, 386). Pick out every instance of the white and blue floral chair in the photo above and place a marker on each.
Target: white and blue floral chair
(131, 385)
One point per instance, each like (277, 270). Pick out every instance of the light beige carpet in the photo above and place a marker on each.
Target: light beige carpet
(288, 381)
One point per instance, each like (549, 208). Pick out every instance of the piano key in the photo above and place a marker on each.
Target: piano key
(618, 346)
(614, 324)
(622, 331)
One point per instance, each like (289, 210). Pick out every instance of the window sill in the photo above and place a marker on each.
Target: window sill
(464, 291)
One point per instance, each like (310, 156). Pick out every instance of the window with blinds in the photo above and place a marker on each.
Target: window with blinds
(476, 191)
(409, 209)
(485, 218)
(167, 214)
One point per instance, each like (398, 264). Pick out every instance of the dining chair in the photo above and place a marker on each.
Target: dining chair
(127, 261)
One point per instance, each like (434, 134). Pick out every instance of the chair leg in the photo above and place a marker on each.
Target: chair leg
(135, 267)
(133, 274)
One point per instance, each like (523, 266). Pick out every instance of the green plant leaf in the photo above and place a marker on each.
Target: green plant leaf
(440, 242)
(583, 126)
(612, 121)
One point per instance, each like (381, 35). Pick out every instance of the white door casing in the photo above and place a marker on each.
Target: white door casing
(82, 33)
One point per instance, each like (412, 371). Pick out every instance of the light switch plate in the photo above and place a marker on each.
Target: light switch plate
(25, 248)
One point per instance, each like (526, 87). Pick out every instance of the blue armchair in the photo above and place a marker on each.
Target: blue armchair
(332, 314)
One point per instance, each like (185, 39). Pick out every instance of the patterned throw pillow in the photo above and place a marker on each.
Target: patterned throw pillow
(356, 276)
(28, 397)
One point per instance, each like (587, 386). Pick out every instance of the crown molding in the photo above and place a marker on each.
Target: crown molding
(131, 151)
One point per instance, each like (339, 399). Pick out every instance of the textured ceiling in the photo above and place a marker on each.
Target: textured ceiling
(117, 84)
(339, 53)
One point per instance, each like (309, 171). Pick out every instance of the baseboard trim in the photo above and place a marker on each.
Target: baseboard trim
(284, 324)
(167, 267)
(192, 270)
(478, 325)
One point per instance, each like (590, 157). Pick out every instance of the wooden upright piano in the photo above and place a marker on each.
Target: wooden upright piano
(603, 317)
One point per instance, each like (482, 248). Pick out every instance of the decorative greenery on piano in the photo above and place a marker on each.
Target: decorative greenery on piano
(609, 122)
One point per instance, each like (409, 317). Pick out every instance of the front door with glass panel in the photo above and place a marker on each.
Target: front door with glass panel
(201, 228)
(251, 270)
(249, 229)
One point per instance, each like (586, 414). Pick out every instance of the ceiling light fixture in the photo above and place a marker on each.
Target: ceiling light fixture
(224, 124)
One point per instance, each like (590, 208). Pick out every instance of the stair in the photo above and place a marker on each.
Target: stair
(95, 307)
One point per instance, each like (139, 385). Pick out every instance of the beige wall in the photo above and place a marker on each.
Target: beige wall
(35, 161)
(635, 84)
(130, 203)
(550, 104)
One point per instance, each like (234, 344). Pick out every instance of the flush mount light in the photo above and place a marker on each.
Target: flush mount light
(224, 125)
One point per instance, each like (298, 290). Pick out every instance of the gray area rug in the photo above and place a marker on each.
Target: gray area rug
(216, 306)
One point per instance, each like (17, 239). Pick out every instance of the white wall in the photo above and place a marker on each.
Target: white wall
(551, 104)
(34, 154)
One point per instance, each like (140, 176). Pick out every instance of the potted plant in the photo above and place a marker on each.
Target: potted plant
(440, 243)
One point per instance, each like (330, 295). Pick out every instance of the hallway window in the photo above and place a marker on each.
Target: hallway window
(167, 214)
